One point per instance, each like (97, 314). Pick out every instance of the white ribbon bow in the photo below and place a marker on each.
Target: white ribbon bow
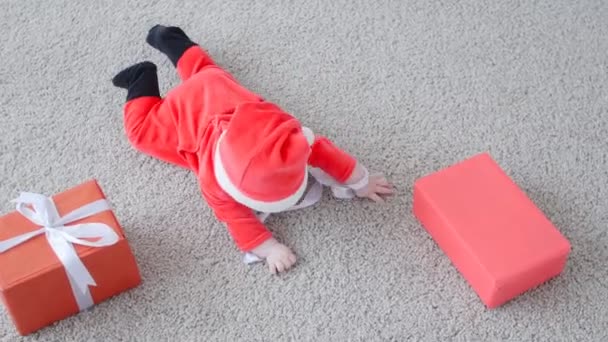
(312, 197)
(61, 237)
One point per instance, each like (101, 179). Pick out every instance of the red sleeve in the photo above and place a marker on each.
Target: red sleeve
(331, 159)
(247, 231)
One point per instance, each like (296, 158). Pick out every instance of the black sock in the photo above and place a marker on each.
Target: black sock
(139, 80)
(172, 41)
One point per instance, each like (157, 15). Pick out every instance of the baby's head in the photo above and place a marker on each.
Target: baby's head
(261, 160)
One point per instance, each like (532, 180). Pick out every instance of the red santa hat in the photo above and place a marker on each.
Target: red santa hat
(261, 160)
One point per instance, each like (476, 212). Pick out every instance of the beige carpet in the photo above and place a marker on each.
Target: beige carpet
(407, 86)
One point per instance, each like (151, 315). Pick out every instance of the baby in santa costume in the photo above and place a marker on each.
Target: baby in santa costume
(248, 154)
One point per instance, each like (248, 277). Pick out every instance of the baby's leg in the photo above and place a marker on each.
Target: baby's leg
(148, 124)
(185, 54)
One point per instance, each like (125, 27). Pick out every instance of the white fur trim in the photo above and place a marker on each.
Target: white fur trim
(266, 207)
(308, 133)
(364, 182)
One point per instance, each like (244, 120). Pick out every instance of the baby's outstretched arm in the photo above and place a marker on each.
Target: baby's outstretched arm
(347, 170)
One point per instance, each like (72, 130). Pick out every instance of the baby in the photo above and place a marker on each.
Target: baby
(247, 153)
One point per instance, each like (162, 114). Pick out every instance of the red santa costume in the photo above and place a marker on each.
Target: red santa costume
(247, 153)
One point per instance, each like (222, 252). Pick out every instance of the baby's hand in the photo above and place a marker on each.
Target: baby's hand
(378, 185)
(278, 256)
(372, 186)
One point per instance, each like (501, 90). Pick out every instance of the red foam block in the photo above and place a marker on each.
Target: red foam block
(496, 237)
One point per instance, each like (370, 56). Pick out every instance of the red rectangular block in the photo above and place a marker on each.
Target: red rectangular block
(496, 237)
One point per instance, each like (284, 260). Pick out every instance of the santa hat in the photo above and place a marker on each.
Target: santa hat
(261, 159)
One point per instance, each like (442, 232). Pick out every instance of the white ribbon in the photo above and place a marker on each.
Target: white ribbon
(313, 196)
(61, 237)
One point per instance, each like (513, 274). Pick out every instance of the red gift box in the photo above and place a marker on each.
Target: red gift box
(492, 232)
(62, 255)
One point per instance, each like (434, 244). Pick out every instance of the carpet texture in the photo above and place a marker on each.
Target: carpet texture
(408, 87)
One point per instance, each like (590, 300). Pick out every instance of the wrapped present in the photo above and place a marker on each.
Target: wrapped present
(498, 239)
(62, 255)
